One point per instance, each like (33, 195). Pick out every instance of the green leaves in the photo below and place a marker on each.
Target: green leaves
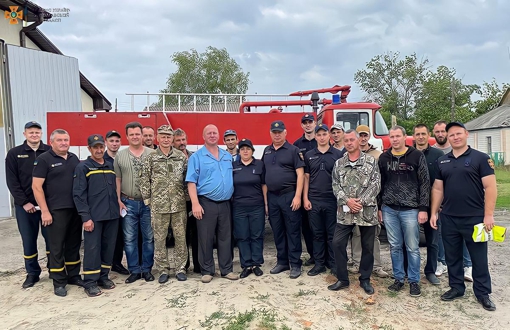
(212, 71)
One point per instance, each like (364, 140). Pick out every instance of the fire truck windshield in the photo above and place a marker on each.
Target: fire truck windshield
(351, 120)
(380, 124)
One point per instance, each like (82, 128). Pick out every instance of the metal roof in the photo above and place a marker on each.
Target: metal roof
(32, 12)
(100, 102)
(496, 118)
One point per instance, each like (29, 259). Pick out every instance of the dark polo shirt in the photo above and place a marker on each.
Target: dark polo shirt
(305, 145)
(320, 166)
(59, 176)
(462, 181)
(248, 181)
(281, 165)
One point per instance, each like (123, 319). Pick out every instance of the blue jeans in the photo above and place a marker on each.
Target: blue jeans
(440, 255)
(138, 214)
(402, 227)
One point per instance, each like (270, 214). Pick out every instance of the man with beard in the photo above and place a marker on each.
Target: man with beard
(19, 164)
(306, 143)
(148, 137)
(443, 145)
(180, 143)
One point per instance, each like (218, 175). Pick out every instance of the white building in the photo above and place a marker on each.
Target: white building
(490, 132)
(35, 78)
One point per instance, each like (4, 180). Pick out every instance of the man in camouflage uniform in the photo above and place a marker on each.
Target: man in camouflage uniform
(162, 187)
(356, 184)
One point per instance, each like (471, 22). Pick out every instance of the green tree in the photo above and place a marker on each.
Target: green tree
(394, 83)
(490, 95)
(444, 97)
(211, 72)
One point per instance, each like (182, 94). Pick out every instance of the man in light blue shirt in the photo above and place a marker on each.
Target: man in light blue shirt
(210, 186)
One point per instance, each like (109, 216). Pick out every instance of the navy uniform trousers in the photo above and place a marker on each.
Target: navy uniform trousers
(99, 246)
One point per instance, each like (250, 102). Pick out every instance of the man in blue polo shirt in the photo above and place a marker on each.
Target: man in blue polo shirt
(284, 179)
(210, 186)
(319, 200)
(466, 185)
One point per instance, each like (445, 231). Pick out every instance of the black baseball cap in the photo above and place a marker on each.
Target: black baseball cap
(277, 126)
(31, 124)
(245, 143)
(113, 133)
(321, 126)
(95, 139)
(306, 117)
(455, 123)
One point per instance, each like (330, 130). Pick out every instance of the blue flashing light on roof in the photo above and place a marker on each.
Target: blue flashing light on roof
(335, 99)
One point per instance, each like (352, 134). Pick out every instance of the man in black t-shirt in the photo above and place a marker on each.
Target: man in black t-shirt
(52, 184)
(466, 185)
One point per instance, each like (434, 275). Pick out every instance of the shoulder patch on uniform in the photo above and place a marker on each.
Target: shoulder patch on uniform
(35, 162)
(491, 163)
(301, 156)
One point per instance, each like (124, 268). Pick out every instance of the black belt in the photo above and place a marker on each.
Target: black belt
(131, 198)
(210, 200)
(283, 191)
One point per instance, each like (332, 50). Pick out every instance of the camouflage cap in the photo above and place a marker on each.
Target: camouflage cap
(165, 129)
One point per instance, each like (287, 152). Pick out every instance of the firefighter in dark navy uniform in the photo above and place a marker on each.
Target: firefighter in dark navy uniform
(306, 143)
(52, 183)
(19, 164)
(284, 179)
(95, 197)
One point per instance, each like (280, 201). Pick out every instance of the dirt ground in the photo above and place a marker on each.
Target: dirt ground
(266, 302)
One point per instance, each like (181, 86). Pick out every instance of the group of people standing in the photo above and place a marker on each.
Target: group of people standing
(331, 186)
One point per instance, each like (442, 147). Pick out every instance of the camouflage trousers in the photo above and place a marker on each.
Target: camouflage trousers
(160, 224)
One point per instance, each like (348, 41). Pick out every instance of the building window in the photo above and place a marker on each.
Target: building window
(489, 145)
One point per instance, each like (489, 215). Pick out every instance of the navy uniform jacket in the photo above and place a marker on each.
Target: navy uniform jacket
(95, 191)
(19, 165)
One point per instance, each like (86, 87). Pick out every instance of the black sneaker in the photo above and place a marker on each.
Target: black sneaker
(396, 286)
(414, 289)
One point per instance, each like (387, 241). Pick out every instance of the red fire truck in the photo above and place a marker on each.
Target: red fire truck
(249, 117)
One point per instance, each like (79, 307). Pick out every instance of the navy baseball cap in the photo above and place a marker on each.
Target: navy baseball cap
(95, 139)
(306, 117)
(245, 143)
(321, 126)
(31, 124)
(277, 126)
(113, 133)
(455, 123)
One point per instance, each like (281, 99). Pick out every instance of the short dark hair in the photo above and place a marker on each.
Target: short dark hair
(133, 124)
(439, 122)
(179, 132)
(420, 126)
(398, 127)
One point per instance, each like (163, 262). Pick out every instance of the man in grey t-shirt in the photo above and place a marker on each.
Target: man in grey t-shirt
(128, 164)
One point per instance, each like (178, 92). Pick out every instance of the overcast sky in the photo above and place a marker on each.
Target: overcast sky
(289, 45)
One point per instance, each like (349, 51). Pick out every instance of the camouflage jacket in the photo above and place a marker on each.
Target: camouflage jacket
(362, 181)
(162, 181)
